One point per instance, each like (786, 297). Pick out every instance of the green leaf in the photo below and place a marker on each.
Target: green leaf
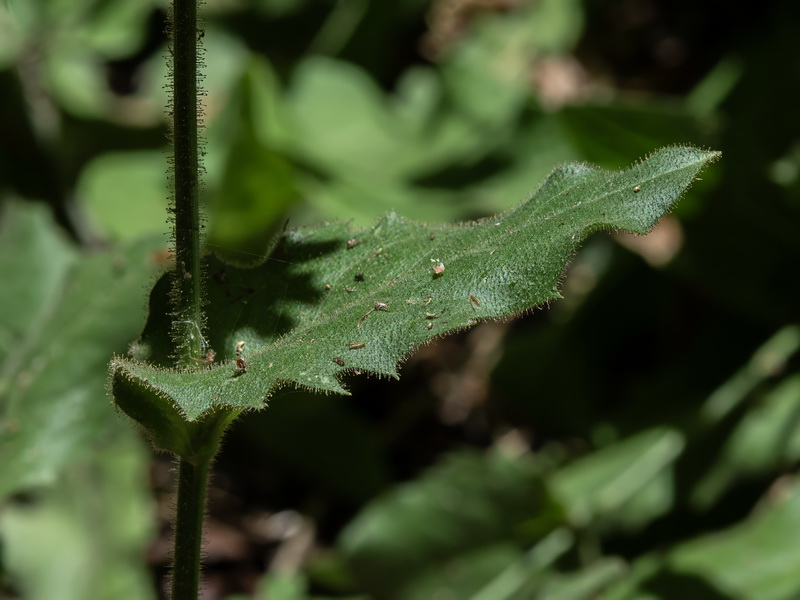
(91, 529)
(614, 478)
(370, 146)
(753, 560)
(585, 584)
(257, 184)
(460, 576)
(766, 436)
(194, 441)
(322, 306)
(727, 558)
(488, 72)
(126, 192)
(74, 39)
(344, 124)
(470, 513)
(77, 467)
(63, 314)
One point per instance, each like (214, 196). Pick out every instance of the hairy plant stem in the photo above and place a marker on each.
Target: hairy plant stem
(192, 479)
(187, 290)
(187, 296)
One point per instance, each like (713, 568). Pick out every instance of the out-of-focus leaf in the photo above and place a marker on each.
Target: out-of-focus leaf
(488, 72)
(111, 29)
(766, 362)
(519, 578)
(767, 436)
(34, 262)
(63, 314)
(555, 25)
(345, 124)
(365, 304)
(349, 196)
(258, 184)
(370, 146)
(460, 576)
(705, 99)
(754, 560)
(126, 193)
(73, 39)
(633, 127)
(468, 511)
(540, 141)
(585, 584)
(84, 537)
(628, 482)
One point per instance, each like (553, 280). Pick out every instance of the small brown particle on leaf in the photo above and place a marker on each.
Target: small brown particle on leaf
(430, 325)
(327, 286)
(338, 360)
(356, 345)
(359, 277)
(352, 244)
(637, 188)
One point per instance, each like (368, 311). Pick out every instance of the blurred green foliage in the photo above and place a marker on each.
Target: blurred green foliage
(637, 440)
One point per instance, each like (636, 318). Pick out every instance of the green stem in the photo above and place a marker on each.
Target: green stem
(188, 318)
(187, 291)
(192, 479)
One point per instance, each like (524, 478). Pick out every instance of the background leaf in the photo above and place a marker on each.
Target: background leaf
(453, 523)
(83, 519)
(63, 313)
(83, 537)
